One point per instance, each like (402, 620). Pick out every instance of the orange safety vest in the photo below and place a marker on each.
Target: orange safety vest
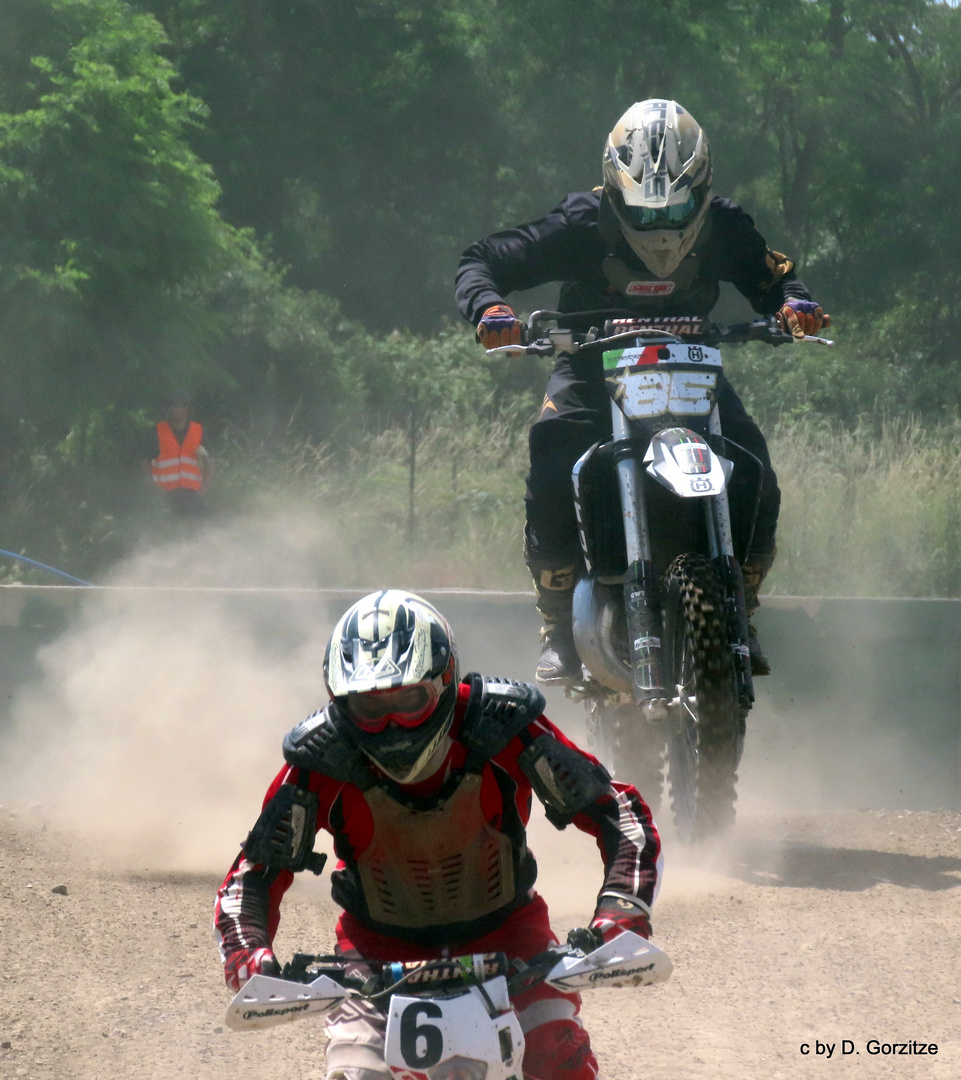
(176, 464)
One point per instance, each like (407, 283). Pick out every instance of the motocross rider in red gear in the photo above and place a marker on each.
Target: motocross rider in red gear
(425, 782)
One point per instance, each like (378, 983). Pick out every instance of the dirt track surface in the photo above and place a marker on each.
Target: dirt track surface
(805, 929)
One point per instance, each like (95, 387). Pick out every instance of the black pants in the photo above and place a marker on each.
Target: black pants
(576, 414)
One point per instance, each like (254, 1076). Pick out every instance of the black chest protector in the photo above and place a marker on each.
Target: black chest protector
(322, 743)
(435, 870)
(631, 285)
(497, 710)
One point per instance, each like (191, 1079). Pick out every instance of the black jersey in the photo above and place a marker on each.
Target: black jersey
(580, 244)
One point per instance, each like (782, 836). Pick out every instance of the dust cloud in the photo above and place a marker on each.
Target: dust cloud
(156, 725)
(157, 721)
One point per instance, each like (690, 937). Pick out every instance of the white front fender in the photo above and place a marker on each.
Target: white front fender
(682, 461)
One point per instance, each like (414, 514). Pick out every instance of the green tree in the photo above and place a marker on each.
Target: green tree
(109, 233)
(119, 280)
(352, 136)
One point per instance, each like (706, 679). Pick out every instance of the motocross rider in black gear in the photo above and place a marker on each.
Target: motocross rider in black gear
(653, 240)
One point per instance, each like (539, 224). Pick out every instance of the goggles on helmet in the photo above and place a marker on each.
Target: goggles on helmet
(407, 706)
(662, 217)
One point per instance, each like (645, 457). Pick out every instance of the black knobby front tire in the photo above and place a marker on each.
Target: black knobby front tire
(703, 739)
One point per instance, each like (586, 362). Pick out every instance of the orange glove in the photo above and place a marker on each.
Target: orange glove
(499, 326)
(801, 317)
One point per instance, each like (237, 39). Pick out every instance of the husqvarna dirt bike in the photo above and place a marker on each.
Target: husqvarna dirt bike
(450, 1019)
(659, 618)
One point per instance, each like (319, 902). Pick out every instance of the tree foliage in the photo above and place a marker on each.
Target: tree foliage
(108, 226)
(266, 202)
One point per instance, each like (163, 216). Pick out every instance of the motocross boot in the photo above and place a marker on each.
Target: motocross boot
(559, 662)
(754, 570)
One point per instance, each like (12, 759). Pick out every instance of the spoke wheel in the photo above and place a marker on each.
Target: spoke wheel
(703, 733)
(631, 747)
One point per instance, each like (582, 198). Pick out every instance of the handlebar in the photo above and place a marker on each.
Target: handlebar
(617, 325)
(376, 980)
(316, 984)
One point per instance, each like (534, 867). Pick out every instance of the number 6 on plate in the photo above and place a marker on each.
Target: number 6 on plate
(455, 1038)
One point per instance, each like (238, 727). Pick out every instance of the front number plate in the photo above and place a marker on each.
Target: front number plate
(422, 1033)
(642, 394)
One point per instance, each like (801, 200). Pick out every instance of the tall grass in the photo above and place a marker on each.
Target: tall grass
(870, 510)
(461, 526)
(874, 510)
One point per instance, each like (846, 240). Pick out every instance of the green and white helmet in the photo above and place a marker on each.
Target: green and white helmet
(391, 668)
(657, 178)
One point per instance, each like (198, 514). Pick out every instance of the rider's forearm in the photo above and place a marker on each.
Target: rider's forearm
(561, 246)
(628, 840)
(792, 288)
(247, 911)
(476, 288)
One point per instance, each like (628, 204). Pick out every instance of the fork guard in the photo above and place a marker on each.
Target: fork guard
(663, 466)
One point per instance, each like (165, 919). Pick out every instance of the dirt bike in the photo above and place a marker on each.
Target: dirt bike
(658, 613)
(451, 1018)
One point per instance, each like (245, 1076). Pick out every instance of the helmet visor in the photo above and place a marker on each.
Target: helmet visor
(675, 216)
(407, 706)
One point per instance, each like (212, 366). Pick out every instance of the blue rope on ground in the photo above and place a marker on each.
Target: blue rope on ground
(43, 566)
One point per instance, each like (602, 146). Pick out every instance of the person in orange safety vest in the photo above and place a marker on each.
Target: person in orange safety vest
(181, 465)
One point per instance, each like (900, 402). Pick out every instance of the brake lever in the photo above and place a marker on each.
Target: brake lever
(585, 939)
(527, 975)
(538, 348)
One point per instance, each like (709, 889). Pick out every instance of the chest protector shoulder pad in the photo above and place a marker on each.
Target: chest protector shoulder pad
(498, 709)
(564, 779)
(321, 744)
(283, 836)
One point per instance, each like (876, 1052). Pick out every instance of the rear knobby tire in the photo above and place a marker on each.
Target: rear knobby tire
(703, 737)
(631, 747)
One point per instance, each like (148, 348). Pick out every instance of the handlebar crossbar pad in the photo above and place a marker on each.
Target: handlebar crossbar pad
(455, 971)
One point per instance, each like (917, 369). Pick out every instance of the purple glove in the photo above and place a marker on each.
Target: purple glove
(802, 317)
(499, 326)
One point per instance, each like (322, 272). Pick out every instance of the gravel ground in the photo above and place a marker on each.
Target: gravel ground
(804, 931)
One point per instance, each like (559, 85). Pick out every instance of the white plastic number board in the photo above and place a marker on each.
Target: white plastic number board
(654, 392)
(424, 1032)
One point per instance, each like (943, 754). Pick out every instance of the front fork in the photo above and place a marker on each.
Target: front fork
(721, 545)
(642, 599)
(642, 593)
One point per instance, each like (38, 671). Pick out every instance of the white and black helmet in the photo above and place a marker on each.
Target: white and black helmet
(657, 178)
(391, 668)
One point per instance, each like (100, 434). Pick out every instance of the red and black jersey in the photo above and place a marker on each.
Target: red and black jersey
(398, 880)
